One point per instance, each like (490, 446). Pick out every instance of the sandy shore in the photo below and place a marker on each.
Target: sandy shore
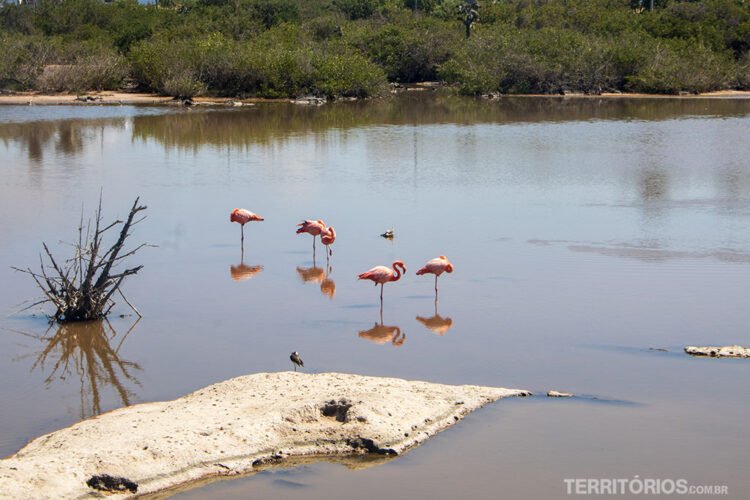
(154, 99)
(115, 98)
(729, 351)
(237, 427)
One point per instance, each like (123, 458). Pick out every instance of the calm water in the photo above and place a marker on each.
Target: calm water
(583, 232)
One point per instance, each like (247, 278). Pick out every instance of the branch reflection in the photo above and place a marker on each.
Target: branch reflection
(85, 350)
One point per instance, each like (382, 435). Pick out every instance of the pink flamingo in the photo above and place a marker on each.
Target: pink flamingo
(328, 238)
(381, 275)
(313, 228)
(243, 217)
(437, 267)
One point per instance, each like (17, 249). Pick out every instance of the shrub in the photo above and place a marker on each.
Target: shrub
(545, 61)
(23, 58)
(325, 28)
(407, 53)
(676, 66)
(358, 9)
(93, 72)
(743, 72)
(348, 75)
(182, 83)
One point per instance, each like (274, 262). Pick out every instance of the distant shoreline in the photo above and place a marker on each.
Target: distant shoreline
(127, 98)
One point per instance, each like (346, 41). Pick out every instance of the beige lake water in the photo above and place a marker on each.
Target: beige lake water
(583, 232)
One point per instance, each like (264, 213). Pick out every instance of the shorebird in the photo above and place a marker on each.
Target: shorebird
(437, 267)
(243, 217)
(389, 234)
(296, 360)
(381, 275)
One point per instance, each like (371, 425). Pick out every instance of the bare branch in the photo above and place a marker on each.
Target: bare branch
(83, 286)
(128, 303)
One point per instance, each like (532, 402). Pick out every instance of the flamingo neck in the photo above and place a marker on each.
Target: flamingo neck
(396, 269)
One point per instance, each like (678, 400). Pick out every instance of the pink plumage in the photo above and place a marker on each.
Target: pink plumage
(244, 216)
(437, 267)
(381, 275)
(311, 227)
(328, 238)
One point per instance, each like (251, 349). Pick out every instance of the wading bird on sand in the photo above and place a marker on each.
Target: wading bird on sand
(243, 217)
(296, 360)
(437, 267)
(313, 228)
(381, 275)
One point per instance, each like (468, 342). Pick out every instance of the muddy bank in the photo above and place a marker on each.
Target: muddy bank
(236, 427)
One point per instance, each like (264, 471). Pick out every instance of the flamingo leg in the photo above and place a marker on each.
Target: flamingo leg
(381, 294)
(242, 233)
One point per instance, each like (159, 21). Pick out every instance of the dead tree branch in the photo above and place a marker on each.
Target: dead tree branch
(82, 287)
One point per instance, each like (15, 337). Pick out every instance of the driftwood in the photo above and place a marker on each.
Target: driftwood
(82, 287)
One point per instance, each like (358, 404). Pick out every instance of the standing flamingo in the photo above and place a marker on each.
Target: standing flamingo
(312, 227)
(437, 267)
(328, 238)
(243, 217)
(381, 275)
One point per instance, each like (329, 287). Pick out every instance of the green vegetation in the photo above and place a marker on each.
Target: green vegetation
(281, 48)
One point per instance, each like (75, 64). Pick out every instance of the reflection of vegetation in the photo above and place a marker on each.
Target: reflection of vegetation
(269, 123)
(85, 350)
(69, 137)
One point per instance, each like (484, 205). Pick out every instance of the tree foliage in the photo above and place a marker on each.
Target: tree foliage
(352, 47)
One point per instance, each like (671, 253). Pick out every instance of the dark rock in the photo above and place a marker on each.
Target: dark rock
(105, 482)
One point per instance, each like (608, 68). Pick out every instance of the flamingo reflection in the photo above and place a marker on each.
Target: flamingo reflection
(85, 350)
(320, 275)
(312, 274)
(328, 286)
(242, 271)
(381, 334)
(436, 324)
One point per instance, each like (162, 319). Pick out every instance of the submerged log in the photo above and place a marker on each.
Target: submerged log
(236, 427)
